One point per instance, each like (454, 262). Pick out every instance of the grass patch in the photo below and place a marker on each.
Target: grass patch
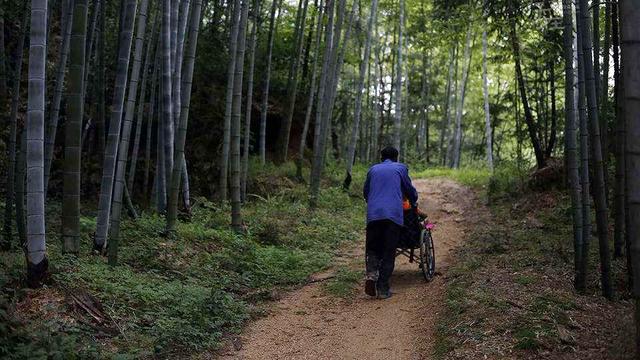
(509, 290)
(344, 283)
(171, 298)
(473, 177)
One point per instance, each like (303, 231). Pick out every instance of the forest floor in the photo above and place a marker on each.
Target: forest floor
(503, 291)
(323, 320)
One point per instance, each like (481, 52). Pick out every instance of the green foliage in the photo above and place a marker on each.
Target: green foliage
(170, 297)
(474, 177)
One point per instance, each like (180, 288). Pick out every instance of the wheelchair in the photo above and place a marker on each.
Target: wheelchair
(417, 245)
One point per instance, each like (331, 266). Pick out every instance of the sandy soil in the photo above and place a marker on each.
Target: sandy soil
(311, 324)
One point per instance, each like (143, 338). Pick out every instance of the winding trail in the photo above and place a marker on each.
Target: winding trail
(310, 324)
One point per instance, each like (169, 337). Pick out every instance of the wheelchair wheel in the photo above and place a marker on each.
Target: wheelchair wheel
(427, 255)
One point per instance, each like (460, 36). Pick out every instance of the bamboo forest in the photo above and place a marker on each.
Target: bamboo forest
(320, 179)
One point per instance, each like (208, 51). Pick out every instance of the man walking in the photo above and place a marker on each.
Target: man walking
(386, 185)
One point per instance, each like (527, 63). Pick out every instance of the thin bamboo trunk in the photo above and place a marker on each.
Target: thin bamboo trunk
(571, 145)
(532, 127)
(177, 65)
(52, 127)
(397, 124)
(180, 167)
(169, 34)
(249, 101)
(123, 147)
(100, 84)
(351, 149)
(152, 45)
(13, 132)
(619, 190)
(581, 275)
(321, 126)
(485, 93)
(149, 129)
(377, 108)
(3, 62)
(236, 122)
(265, 92)
(282, 145)
(312, 92)
(113, 140)
(457, 139)
(73, 131)
(600, 199)
(595, 7)
(21, 167)
(446, 121)
(226, 137)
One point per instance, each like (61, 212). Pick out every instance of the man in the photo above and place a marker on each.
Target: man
(386, 185)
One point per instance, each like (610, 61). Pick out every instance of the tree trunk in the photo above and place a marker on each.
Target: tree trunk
(619, 197)
(375, 117)
(485, 93)
(630, 35)
(236, 123)
(397, 123)
(160, 174)
(178, 170)
(73, 131)
(13, 133)
(3, 62)
(37, 263)
(312, 92)
(113, 140)
(528, 116)
(226, 140)
(265, 92)
(52, 127)
(282, 145)
(177, 65)
(121, 165)
(21, 167)
(100, 84)
(581, 275)
(151, 48)
(249, 101)
(446, 121)
(599, 195)
(351, 150)
(149, 130)
(321, 125)
(457, 139)
(571, 146)
(604, 88)
(169, 34)
(554, 121)
(595, 6)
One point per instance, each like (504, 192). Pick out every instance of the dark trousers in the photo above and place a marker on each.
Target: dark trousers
(380, 250)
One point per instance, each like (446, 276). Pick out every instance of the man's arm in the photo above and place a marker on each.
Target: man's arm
(365, 188)
(407, 187)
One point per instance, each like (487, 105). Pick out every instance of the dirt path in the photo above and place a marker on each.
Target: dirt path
(311, 324)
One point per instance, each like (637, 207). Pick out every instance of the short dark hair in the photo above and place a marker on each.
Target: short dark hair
(389, 153)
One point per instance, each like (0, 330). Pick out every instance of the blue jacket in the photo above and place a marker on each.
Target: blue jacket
(384, 188)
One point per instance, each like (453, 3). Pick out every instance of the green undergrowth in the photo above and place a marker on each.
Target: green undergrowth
(344, 283)
(172, 298)
(510, 289)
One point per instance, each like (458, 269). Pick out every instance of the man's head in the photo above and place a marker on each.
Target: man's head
(389, 153)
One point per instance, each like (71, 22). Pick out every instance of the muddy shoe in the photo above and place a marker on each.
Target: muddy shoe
(384, 292)
(370, 287)
(384, 295)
